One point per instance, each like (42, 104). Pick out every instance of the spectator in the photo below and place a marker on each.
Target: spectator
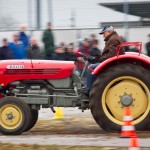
(72, 45)
(5, 51)
(79, 43)
(48, 40)
(94, 51)
(134, 49)
(92, 39)
(17, 47)
(33, 50)
(58, 54)
(23, 36)
(70, 55)
(148, 46)
(126, 48)
(84, 48)
(63, 45)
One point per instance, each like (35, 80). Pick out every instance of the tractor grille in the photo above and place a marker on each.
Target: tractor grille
(31, 71)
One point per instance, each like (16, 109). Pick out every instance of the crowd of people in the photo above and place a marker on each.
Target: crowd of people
(21, 47)
(26, 47)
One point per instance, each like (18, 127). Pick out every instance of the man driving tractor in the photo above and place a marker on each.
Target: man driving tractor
(112, 40)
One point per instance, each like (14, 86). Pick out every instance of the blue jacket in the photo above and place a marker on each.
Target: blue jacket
(19, 51)
(24, 38)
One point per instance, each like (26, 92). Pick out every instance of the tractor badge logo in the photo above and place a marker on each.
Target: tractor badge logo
(15, 67)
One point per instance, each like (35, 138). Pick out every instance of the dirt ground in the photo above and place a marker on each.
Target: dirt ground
(55, 147)
(76, 128)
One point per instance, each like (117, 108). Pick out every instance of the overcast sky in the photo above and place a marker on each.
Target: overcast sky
(64, 13)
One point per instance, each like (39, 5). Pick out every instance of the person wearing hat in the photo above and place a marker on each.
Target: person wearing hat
(112, 40)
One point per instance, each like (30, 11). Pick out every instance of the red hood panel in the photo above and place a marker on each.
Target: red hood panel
(37, 64)
(12, 70)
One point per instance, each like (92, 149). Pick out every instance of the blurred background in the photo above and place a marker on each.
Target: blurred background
(76, 19)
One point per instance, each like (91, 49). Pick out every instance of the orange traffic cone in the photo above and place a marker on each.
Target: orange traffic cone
(134, 143)
(127, 129)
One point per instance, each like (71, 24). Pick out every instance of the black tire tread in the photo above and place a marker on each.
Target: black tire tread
(34, 118)
(25, 111)
(100, 84)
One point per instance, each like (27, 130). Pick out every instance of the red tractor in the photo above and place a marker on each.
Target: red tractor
(122, 81)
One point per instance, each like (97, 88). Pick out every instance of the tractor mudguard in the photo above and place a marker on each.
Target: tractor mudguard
(127, 56)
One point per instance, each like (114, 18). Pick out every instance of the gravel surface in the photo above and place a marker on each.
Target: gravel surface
(76, 128)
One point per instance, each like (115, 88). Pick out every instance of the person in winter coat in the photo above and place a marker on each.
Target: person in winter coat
(92, 39)
(33, 50)
(18, 47)
(112, 40)
(48, 40)
(58, 54)
(148, 46)
(5, 51)
(70, 54)
(84, 48)
(94, 50)
(23, 36)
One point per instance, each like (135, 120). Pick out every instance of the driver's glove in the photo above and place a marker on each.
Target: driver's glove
(91, 58)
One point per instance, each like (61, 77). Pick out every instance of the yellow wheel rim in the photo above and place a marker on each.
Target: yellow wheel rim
(10, 116)
(117, 88)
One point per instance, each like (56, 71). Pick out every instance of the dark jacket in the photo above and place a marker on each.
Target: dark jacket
(95, 52)
(6, 53)
(33, 52)
(48, 41)
(148, 48)
(70, 56)
(111, 42)
(58, 56)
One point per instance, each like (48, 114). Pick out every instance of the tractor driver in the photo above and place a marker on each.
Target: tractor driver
(112, 40)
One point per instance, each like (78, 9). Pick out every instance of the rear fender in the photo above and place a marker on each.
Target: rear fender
(129, 57)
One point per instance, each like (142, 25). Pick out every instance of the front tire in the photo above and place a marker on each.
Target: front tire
(34, 118)
(108, 89)
(15, 115)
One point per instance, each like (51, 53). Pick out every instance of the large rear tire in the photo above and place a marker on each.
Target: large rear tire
(111, 87)
(15, 115)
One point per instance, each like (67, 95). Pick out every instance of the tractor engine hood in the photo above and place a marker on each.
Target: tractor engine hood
(11, 70)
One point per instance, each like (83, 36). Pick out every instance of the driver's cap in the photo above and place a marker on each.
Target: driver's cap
(107, 28)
